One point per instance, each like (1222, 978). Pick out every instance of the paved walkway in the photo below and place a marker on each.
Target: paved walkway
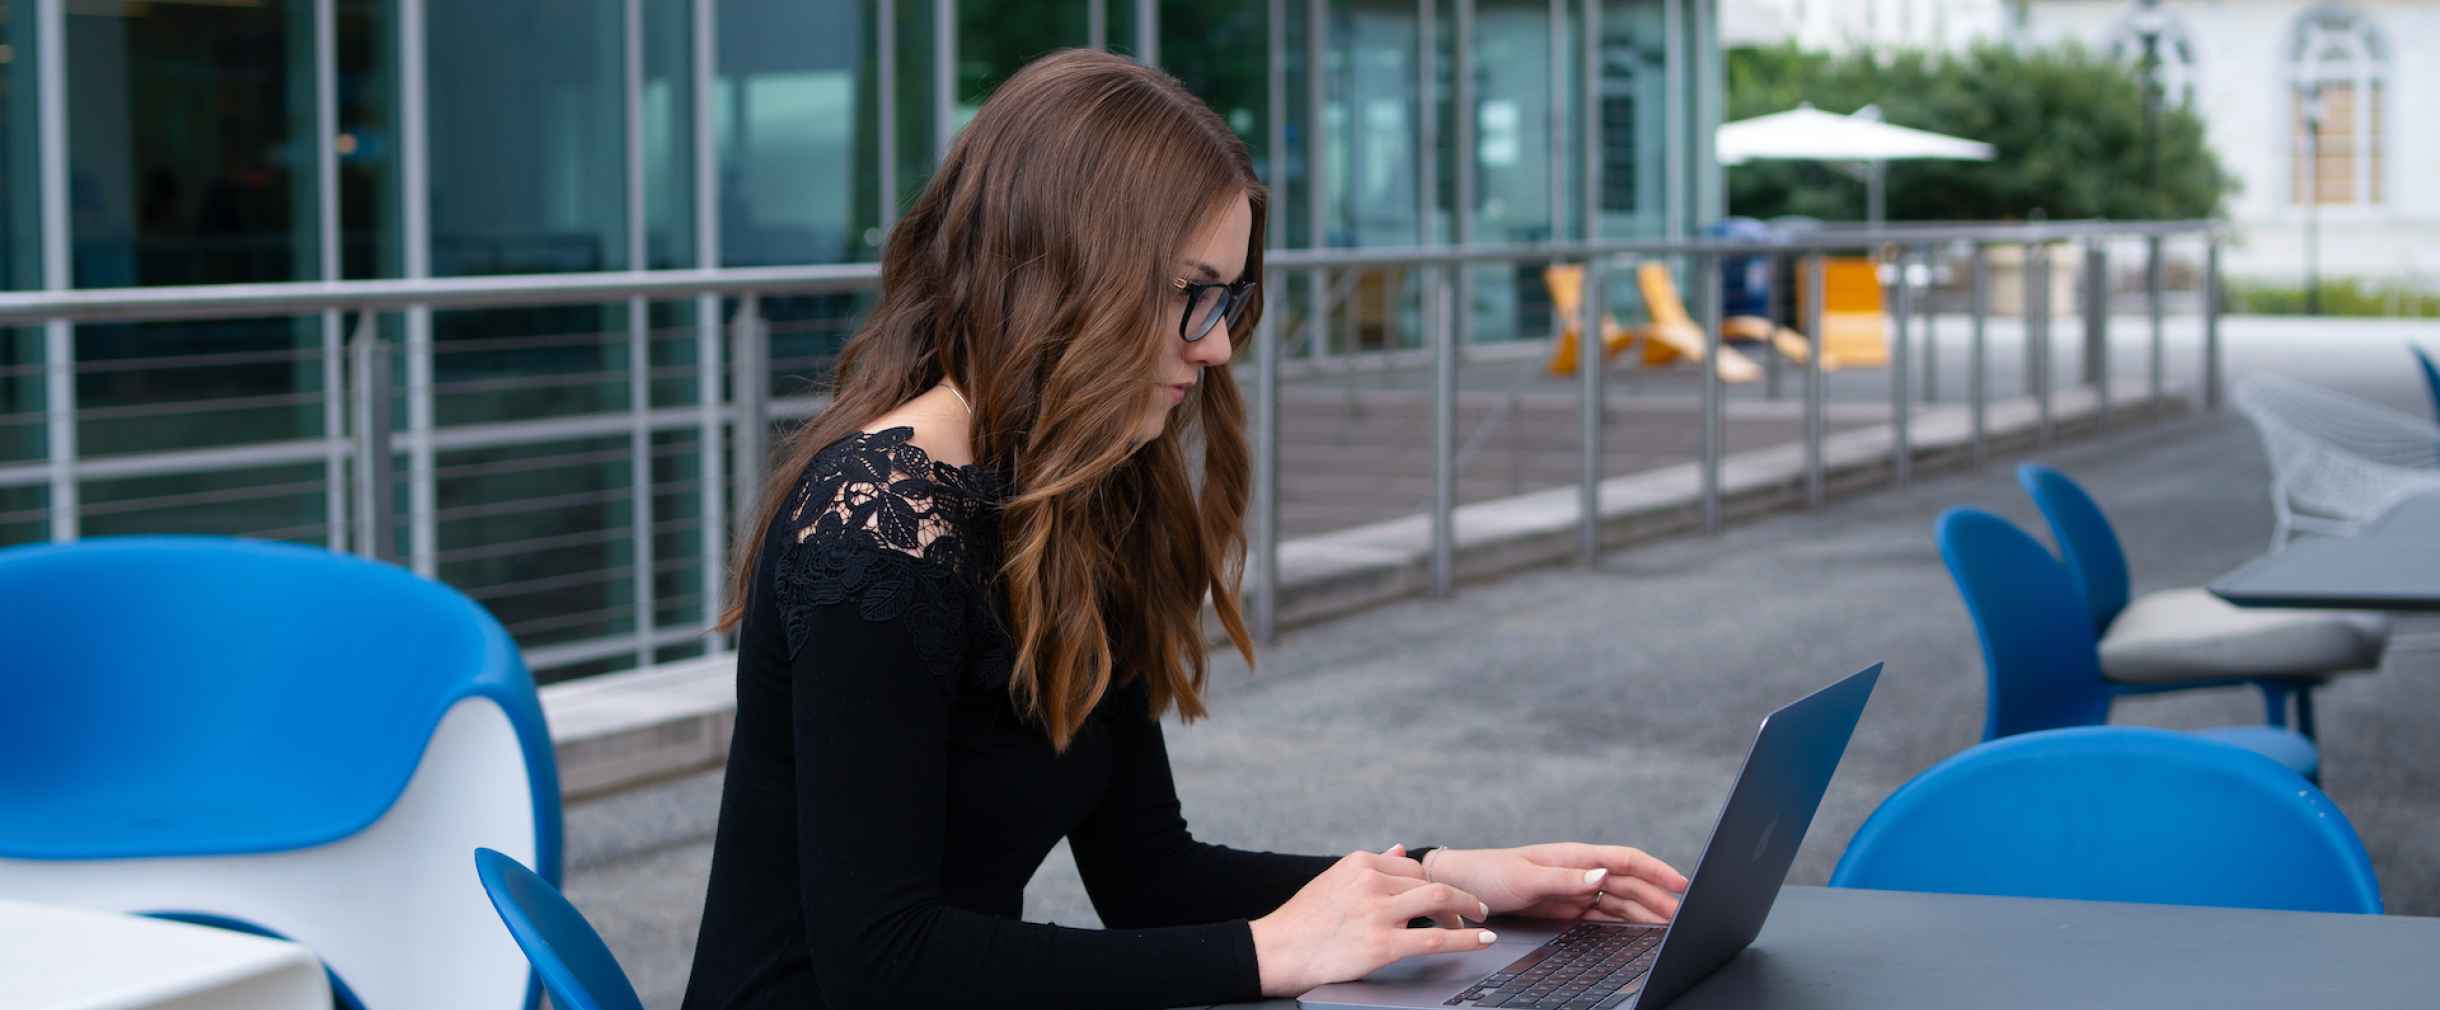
(1615, 704)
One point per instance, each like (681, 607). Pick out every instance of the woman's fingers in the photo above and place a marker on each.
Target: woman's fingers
(1637, 864)
(1410, 942)
(1628, 910)
(1438, 902)
(1642, 892)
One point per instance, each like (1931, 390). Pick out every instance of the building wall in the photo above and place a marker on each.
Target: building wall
(2243, 86)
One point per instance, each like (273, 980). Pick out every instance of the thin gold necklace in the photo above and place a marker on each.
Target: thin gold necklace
(961, 397)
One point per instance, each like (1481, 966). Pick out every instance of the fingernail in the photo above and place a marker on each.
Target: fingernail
(1488, 937)
(1393, 850)
(1594, 877)
(1486, 910)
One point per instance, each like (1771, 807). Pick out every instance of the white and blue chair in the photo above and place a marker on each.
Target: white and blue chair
(574, 963)
(2115, 813)
(2185, 638)
(2040, 655)
(277, 739)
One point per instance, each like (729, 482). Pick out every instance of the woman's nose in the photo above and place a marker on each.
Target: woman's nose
(1212, 350)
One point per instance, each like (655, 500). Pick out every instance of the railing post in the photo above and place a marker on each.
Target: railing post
(2211, 322)
(1707, 319)
(2097, 327)
(1444, 428)
(2152, 310)
(1901, 451)
(2037, 335)
(750, 376)
(1816, 266)
(1977, 382)
(1266, 476)
(1931, 342)
(376, 530)
(1589, 362)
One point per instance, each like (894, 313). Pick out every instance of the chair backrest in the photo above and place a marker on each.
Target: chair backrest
(2115, 813)
(2337, 461)
(1852, 284)
(2088, 545)
(575, 965)
(1660, 293)
(1565, 282)
(193, 696)
(2041, 657)
(2431, 377)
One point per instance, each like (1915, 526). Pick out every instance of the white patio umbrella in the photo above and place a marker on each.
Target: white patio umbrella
(1809, 134)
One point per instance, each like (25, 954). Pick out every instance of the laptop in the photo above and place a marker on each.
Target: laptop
(1558, 965)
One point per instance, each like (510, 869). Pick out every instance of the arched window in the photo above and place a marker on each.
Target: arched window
(2337, 65)
(2148, 34)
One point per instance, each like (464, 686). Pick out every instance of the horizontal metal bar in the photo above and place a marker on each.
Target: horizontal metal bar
(229, 301)
(514, 506)
(571, 653)
(237, 301)
(160, 407)
(250, 456)
(217, 496)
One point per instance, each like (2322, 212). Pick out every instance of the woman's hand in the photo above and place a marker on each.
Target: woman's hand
(1352, 919)
(1564, 880)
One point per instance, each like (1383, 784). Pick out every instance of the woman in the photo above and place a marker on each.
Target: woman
(978, 586)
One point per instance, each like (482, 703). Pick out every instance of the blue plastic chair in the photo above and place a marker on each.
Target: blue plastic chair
(575, 965)
(2040, 655)
(277, 739)
(2185, 639)
(2431, 377)
(2115, 813)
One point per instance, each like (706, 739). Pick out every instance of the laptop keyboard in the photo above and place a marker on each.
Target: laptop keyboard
(1589, 967)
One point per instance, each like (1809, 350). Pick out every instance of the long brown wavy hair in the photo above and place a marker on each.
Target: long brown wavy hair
(1033, 272)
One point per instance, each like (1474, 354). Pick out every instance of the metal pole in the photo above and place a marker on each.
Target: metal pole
(1589, 369)
(885, 70)
(2097, 326)
(1931, 338)
(710, 344)
(1462, 150)
(1427, 122)
(1673, 117)
(639, 349)
(1148, 33)
(2211, 322)
(1317, 188)
(1977, 389)
(375, 532)
(1444, 436)
(1589, 205)
(1901, 452)
(1266, 478)
(423, 529)
(944, 77)
(326, 233)
(1816, 266)
(2152, 310)
(1275, 126)
(1707, 318)
(752, 380)
(59, 343)
(1096, 23)
(1554, 121)
(2037, 337)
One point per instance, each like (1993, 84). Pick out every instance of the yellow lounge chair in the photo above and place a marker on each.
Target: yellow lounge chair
(1566, 285)
(1674, 334)
(1855, 325)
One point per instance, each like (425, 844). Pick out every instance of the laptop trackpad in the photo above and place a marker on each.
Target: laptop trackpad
(1426, 980)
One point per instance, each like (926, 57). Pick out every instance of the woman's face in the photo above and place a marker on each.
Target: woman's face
(1214, 254)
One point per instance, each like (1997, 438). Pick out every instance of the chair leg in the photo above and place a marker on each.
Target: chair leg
(2304, 713)
(2274, 702)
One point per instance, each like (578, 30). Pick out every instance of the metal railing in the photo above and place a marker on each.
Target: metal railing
(730, 420)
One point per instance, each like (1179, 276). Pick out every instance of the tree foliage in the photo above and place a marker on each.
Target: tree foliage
(2067, 127)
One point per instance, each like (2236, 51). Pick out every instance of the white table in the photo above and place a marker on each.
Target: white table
(57, 958)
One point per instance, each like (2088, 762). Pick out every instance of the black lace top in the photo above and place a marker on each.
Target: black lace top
(885, 802)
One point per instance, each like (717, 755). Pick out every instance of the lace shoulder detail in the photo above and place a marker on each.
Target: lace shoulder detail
(878, 524)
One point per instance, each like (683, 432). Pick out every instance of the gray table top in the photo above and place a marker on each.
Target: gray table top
(1887, 950)
(2394, 564)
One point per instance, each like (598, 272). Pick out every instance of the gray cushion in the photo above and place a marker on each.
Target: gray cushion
(2189, 634)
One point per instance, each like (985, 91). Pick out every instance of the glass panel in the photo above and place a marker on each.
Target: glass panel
(669, 134)
(1368, 123)
(1634, 144)
(997, 37)
(191, 162)
(798, 146)
(21, 389)
(1217, 51)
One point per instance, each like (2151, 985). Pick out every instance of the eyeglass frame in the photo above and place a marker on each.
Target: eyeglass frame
(1233, 300)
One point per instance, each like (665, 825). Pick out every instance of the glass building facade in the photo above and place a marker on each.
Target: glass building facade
(551, 465)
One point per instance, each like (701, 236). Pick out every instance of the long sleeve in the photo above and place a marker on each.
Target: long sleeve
(1143, 868)
(871, 712)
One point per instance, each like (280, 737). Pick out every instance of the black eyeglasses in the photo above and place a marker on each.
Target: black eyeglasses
(1207, 303)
